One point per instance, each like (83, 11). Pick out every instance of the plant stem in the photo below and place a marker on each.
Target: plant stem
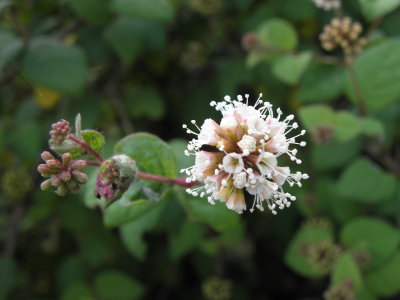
(356, 87)
(86, 147)
(93, 163)
(177, 181)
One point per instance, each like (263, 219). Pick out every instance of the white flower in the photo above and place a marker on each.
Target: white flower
(328, 4)
(243, 156)
(247, 144)
(232, 163)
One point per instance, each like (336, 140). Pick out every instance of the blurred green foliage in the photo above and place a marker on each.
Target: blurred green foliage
(132, 66)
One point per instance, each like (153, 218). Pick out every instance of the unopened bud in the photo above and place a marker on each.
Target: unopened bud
(78, 165)
(62, 190)
(46, 185)
(46, 155)
(66, 158)
(79, 177)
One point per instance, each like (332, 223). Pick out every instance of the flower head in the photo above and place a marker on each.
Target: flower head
(241, 154)
(64, 175)
(328, 4)
(343, 33)
(59, 132)
(115, 176)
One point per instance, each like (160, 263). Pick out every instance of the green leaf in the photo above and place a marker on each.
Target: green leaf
(385, 280)
(187, 239)
(376, 237)
(70, 271)
(347, 126)
(361, 181)
(145, 102)
(373, 9)
(161, 10)
(373, 127)
(94, 139)
(54, 65)
(125, 210)
(131, 233)
(347, 269)
(217, 216)
(93, 11)
(78, 291)
(296, 252)
(314, 116)
(321, 83)
(125, 38)
(8, 275)
(152, 155)
(25, 140)
(378, 73)
(111, 285)
(336, 155)
(10, 47)
(277, 33)
(290, 68)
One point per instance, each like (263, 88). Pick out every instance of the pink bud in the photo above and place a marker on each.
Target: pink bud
(46, 155)
(78, 165)
(79, 177)
(66, 158)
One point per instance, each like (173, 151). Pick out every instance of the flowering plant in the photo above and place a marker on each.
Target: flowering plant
(245, 147)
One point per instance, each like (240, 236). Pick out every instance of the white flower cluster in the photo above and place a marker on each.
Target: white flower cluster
(241, 154)
(328, 4)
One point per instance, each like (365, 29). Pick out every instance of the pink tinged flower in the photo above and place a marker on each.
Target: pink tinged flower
(280, 175)
(236, 201)
(278, 144)
(208, 133)
(229, 123)
(267, 162)
(257, 126)
(233, 163)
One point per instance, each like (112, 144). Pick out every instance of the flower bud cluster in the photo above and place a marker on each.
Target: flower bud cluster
(323, 256)
(59, 132)
(343, 33)
(340, 292)
(64, 175)
(216, 288)
(115, 176)
(250, 41)
(328, 4)
(206, 7)
(16, 183)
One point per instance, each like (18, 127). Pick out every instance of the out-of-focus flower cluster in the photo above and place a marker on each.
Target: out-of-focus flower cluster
(241, 154)
(216, 288)
(64, 175)
(328, 4)
(343, 33)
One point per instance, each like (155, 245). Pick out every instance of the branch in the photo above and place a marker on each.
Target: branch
(86, 147)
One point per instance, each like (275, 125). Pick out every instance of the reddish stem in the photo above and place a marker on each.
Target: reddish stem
(93, 163)
(86, 147)
(177, 181)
